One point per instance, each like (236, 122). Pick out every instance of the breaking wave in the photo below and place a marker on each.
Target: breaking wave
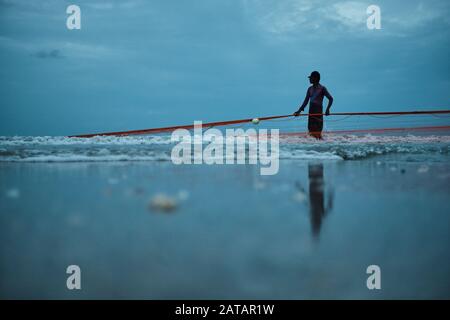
(158, 148)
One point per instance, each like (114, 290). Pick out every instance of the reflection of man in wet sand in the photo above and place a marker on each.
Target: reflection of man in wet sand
(317, 207)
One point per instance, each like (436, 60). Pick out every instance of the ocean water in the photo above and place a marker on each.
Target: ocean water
(141, 227)
(158, 148)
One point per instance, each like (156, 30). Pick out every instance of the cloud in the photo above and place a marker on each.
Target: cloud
(293, 18)
(419, 16)
(334, 19)
(351, 14)
(48, 54)
(71, 49)
(279, 17)
(113, 5)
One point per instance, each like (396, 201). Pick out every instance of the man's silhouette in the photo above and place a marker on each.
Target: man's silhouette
(314, 95)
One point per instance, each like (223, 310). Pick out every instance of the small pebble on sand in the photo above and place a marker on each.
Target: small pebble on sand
(163, 203)
(423, 169)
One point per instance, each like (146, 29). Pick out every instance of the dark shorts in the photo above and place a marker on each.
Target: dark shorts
(315, 123)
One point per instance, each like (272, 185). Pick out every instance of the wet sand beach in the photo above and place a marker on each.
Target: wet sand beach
(308, 232)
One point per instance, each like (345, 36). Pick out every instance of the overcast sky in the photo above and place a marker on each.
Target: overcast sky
(138, 64)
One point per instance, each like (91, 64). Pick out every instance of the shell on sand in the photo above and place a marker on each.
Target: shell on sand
(163, 202)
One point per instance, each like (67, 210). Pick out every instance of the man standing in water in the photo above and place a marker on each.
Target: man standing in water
(314, 95)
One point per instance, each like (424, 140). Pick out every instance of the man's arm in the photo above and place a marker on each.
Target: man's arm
(330, 101)
(305, 102)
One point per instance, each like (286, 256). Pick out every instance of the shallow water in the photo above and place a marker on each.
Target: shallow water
(308, 232)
